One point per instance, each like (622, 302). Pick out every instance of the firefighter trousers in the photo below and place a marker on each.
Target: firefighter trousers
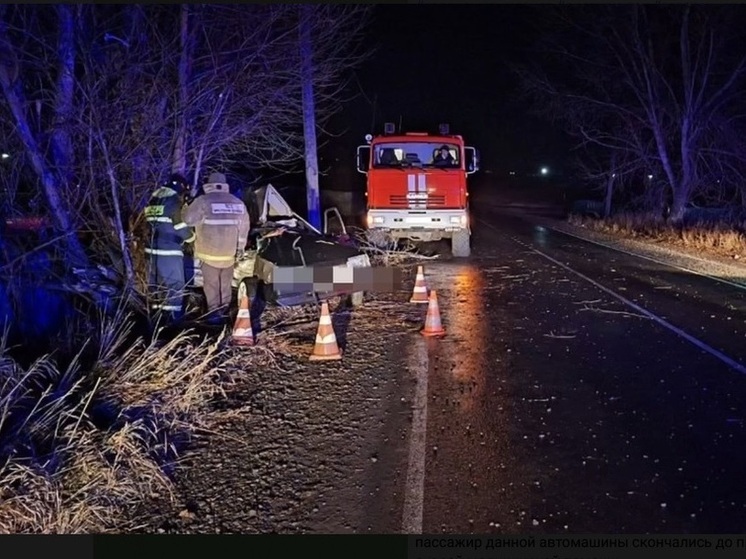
(167, 284)
(216, 283)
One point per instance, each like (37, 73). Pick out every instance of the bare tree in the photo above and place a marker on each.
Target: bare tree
(54, 170)
(122, 129)
(623, 82)
(246, 103)
(305, 41)
(128, 93)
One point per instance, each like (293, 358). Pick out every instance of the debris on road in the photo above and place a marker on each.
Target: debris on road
(269, 444)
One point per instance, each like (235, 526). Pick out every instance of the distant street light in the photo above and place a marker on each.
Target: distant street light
(544, 170)
(5, 155)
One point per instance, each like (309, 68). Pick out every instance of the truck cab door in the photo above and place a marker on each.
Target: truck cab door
(363, 159)
(471, 160)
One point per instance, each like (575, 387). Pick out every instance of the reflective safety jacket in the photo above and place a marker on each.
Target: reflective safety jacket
(168, 232)
(221, 223)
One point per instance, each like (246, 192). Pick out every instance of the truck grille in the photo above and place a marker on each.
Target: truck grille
(432, 200)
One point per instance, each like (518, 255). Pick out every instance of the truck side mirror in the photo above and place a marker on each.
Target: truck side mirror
(472, 160)
(363, 159)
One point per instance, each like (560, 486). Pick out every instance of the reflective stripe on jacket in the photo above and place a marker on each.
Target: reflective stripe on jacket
(221, 223)
(168, 232)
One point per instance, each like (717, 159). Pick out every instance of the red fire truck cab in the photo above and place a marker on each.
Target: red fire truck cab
(416, 186)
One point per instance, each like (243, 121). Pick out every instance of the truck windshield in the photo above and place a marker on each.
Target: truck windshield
(416, 154)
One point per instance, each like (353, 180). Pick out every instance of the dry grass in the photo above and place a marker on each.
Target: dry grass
(81, 448)
(722, 239)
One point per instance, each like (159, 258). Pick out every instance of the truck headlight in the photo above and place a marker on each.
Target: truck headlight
(372, 220)
(458, 220)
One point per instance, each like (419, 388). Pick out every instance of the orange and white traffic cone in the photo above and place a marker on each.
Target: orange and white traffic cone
(325, 348)
(419, 294)
(433, 327)
(242, 332)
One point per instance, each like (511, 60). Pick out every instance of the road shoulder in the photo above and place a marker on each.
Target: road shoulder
(302, 447)
(694, 261)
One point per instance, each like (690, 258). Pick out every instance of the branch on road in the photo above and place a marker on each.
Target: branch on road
(559, 336)
(607, 311)
(587, 302)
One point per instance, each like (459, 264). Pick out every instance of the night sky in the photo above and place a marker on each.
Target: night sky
(449, 63)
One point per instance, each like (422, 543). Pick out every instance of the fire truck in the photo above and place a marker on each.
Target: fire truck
(416, 186)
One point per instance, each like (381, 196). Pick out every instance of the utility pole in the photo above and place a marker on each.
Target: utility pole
(309, 117)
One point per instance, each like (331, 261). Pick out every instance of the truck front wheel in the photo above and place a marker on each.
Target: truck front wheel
(461, 243)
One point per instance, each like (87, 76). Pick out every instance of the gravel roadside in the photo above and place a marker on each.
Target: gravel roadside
(301, 447)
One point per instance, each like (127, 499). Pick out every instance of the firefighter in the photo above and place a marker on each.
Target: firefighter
(222, 227)
(168, 235)
(443, 157)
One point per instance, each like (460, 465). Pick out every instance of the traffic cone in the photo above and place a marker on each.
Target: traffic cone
(433, 327)
(419, 294)
(326, 348)
(242, 332)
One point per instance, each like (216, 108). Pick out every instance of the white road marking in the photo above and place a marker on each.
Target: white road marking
(414, 496)
(667, 264)
(678, 331)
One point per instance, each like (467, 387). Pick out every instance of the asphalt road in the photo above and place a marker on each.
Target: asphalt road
(577, 390)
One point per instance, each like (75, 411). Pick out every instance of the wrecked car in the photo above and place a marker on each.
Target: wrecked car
(300, 249)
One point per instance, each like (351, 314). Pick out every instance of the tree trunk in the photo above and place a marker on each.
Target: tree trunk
(179, 163)
(678, 206)
(62, 147)
(309, 117)
(137, 40)
(609, 196)
(13, 92)
(129, 269)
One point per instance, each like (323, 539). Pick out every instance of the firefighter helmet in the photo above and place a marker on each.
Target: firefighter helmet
(177, 182)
